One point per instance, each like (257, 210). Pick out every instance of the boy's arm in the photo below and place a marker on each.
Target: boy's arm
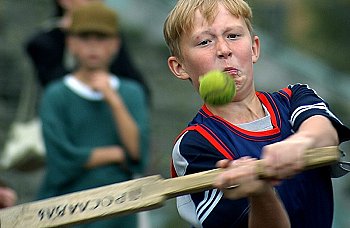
(125, 124)
(192, 153)
(314, 126)
(286, 157)
(105, 155)
(266, 209)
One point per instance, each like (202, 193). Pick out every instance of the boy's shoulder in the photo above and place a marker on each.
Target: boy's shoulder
(55, 87)
(130, 84)
(286, 92)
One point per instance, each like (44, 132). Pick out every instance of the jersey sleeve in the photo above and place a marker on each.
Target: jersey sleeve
(136, 102)
(65, 160)
(305, 102)
(193, 153)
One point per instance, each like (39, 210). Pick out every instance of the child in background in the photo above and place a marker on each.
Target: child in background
(95, 124)
(51, 42)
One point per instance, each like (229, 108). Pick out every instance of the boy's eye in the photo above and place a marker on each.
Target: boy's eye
(204, 42)
(233, 36)
(101, 36)
(95, 35)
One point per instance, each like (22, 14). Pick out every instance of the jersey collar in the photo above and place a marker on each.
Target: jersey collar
(85, 91)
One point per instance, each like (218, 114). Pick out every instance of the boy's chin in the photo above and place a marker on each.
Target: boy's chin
(94, 67)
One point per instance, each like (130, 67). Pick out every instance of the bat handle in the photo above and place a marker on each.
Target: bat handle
(313, 158)
(201, 181)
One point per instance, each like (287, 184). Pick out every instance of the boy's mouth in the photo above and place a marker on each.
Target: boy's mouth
(232, 71)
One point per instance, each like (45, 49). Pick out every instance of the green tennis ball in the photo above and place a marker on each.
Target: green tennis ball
(217, 88)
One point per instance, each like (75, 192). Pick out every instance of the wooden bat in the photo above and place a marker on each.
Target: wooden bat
(128, 197)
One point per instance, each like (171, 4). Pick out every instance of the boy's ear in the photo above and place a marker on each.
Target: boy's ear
(255, 49)
(177, 68)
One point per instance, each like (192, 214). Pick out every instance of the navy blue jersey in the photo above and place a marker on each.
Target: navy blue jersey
(308, 196)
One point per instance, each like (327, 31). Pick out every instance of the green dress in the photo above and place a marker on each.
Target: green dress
(75, 120)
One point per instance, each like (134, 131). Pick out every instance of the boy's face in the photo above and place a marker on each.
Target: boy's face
(93, 51)
(224, 45)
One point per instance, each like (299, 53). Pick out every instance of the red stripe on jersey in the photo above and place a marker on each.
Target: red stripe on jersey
(242, 132)
(209, 137)
(268, 105)
(213, 141)
(288, 91)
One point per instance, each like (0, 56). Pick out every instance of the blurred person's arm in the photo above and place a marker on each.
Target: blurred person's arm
(46, 51)
(106, 155)
(8, 196)
(125, 123)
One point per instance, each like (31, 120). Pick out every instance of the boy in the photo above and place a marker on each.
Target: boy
(206, 35)
(51, 41)
(95, 124)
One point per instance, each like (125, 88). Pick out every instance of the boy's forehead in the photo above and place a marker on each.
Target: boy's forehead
(180, 21)
(224, 19)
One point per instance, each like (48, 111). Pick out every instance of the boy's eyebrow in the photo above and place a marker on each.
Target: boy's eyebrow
(208, 31)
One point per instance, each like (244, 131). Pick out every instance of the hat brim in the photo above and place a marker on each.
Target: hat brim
(91, 28)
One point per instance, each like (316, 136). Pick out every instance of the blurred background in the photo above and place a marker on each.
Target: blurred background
(303, 41)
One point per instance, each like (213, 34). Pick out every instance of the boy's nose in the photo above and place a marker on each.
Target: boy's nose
(223, 49)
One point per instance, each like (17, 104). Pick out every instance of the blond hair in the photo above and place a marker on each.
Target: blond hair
(180, 19)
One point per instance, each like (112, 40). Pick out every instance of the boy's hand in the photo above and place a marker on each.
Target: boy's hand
(284, 159)
(240, 180)
(100, 81)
